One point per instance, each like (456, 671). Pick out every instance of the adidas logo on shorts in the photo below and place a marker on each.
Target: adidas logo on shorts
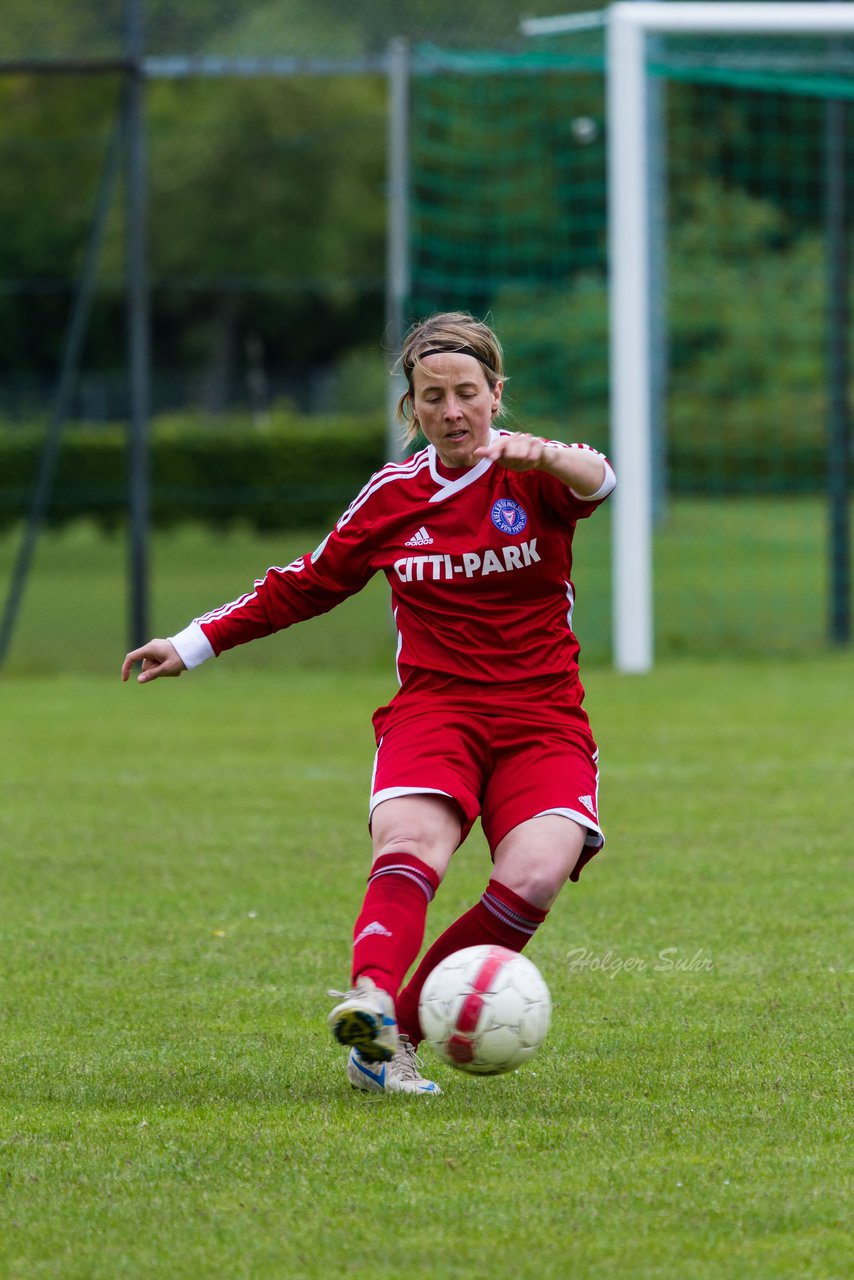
(420, 539)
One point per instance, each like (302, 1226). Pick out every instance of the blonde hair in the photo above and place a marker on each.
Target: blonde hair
(446, 331)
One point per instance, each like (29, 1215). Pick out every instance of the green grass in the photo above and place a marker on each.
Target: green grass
(737, 576)
(180, 868)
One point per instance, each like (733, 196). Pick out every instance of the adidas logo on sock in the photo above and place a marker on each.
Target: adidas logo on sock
(370, 929)
(420, 539)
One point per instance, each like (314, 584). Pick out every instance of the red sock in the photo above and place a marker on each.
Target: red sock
(500, 917)
(390, 929)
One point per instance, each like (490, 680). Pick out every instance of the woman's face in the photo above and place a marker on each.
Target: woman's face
(454, 405)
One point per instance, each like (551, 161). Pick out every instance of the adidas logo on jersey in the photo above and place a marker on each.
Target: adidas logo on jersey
(420, 539)
(587, 801)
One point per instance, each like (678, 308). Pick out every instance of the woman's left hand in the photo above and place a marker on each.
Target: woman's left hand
(517, 452)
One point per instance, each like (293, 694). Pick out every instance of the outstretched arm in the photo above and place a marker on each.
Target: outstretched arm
(310, 585)
(581, 469)
(159, 658)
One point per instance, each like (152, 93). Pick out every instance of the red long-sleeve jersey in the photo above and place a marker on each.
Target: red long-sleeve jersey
(479, 562)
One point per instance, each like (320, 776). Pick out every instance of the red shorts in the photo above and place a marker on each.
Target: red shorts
(503, 768)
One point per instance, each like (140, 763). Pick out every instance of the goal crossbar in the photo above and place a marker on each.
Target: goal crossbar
(630, 242)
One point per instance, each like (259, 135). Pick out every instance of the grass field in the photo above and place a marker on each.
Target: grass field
(180, 869)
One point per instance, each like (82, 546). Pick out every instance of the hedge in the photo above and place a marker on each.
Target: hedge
(303, 472)
(287, 476)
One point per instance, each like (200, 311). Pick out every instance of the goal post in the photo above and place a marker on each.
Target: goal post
(630, 204)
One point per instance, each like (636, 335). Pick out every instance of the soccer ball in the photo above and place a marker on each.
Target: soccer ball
(485, 1010)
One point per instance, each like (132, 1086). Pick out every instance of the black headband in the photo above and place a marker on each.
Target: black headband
(452, 351)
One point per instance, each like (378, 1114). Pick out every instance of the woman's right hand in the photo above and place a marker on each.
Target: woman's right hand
(158, 657)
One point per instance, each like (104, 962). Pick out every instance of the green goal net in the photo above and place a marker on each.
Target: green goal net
(509, 219)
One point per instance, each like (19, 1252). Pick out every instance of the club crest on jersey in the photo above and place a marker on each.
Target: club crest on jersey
(508, 516)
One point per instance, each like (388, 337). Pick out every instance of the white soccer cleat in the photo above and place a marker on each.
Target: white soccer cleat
(400, 1075)
(365, 1020)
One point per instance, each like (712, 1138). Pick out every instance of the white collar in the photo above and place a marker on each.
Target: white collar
(468, 475)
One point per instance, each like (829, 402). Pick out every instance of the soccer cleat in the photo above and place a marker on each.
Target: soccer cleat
(365, 1020)
(402, 1074)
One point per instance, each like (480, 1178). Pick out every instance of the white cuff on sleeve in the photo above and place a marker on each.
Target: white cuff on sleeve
(192, 645)
(605, 487)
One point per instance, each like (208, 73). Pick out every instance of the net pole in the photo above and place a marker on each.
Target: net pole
(397, 242)
(839, 407)
(658, 335)
(629, 246)
(630, 261)
(136, 276)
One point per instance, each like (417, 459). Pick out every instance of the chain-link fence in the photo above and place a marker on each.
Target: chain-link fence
(267, 228)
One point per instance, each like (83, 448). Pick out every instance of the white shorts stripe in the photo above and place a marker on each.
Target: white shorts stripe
(594, 833)
(394, 793)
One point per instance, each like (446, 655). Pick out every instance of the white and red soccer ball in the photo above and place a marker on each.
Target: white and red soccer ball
(485, 1010)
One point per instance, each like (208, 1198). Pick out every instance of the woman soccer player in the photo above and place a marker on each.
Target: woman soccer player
(474, 534)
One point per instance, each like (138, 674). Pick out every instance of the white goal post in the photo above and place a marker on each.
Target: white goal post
(629, 217)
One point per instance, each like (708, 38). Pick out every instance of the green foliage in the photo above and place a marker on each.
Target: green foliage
(267, 217)
(292, 473)
(506, 194)
(746, 299)
(744, 276)
(746, 404)
(748, 351)
(54, 29)
(268, 211)
(556, 349)
(249, 179)
(298, 472)
(53, 140)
